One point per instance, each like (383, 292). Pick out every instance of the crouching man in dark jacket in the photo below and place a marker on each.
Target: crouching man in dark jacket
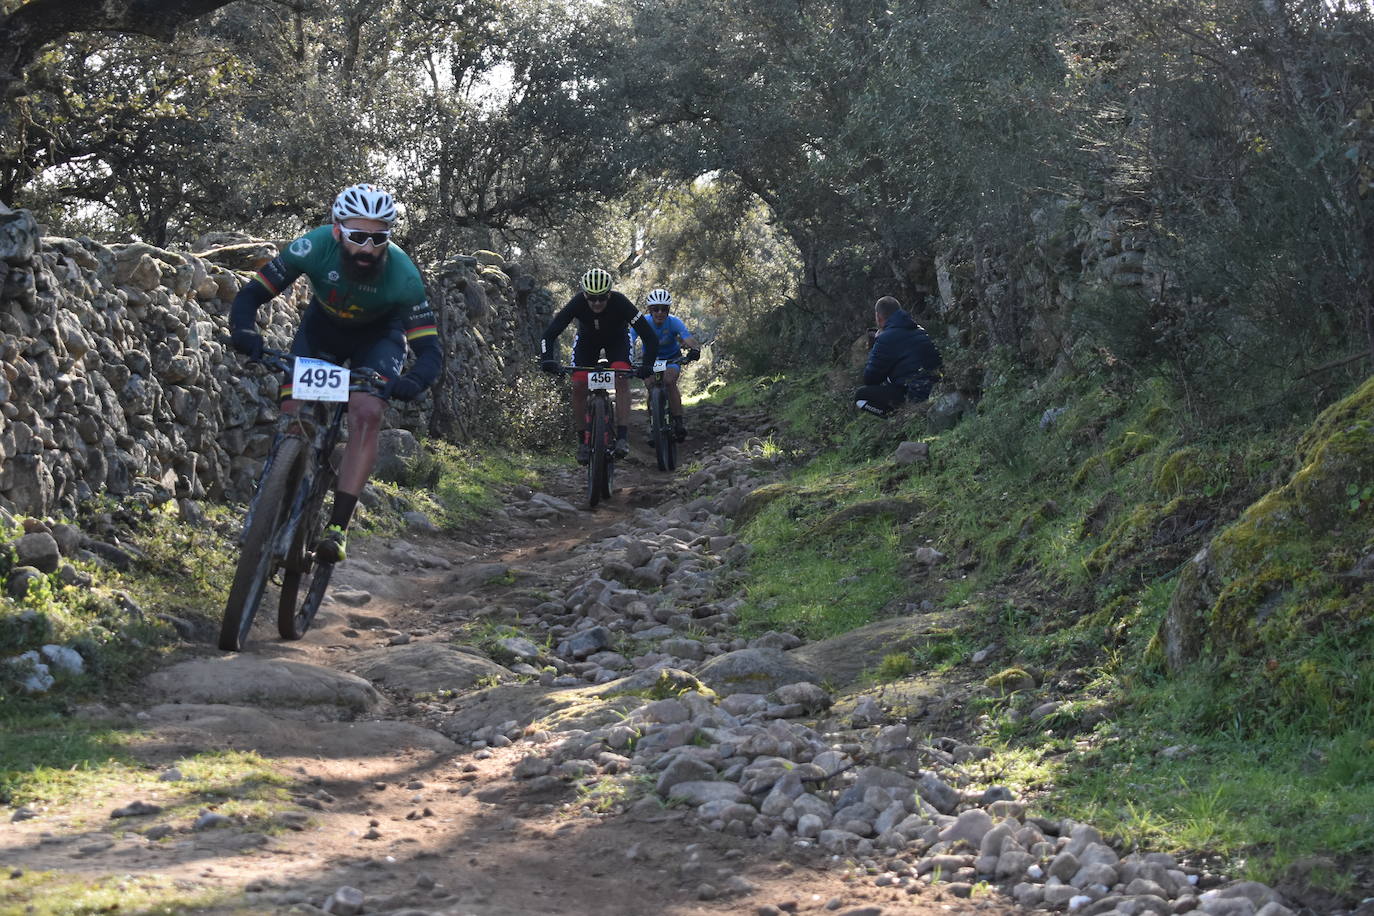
(903, 363)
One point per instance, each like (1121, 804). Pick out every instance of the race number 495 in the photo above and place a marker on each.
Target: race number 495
(317, 380)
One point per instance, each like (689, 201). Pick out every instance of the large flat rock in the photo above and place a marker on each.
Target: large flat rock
(425, 667)
(756, 671)
(243, 728)
(243, 680)
(842, 659)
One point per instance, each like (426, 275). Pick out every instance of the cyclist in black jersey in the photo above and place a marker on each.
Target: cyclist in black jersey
(368, 304)
(604, 318)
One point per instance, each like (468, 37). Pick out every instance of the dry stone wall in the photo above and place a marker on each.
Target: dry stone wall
(1023, 299)
(113, 377)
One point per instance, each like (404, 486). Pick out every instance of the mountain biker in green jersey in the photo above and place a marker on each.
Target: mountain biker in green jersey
(368, 304)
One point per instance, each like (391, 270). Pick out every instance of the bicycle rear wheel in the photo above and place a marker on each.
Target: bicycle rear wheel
(319, 581)
(292, 622)
(254, 569)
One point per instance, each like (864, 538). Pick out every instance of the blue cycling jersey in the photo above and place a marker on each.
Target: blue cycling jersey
(671, 332)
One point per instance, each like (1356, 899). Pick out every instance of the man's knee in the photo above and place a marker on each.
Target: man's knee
(365, 412)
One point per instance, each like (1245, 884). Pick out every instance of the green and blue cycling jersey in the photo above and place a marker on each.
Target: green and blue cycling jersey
(345, 314)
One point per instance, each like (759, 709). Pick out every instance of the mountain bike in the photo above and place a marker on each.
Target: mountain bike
(284, 519)
(600, 427)
(662, 433)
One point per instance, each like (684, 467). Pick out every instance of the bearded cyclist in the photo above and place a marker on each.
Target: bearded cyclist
(603, 320)
(672, 336)
(368, 302)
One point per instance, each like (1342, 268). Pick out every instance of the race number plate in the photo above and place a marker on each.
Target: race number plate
(317, 380)
(660, 365)
(601, 381)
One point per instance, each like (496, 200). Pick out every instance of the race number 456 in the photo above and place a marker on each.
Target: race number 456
(317, 380)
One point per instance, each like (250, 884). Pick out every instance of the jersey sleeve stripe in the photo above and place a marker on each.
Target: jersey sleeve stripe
(265, 282)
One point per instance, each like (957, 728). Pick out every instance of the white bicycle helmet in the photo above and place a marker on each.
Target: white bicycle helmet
(659, 297)
(596, 282)
(364, 201)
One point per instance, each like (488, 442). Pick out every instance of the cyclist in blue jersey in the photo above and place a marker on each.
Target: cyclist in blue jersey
(672, 336)
(368, 304)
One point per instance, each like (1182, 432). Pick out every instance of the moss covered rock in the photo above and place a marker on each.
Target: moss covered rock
(1277, 594)
(758, 500)
(1010, 680)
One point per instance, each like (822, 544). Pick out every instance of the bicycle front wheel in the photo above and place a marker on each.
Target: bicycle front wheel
(658, 417)
(601, 446)
(254, 570)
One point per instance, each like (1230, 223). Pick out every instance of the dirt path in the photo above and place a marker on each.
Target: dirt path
(377, 800)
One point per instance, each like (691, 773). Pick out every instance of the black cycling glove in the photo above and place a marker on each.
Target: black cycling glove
(549, 365)
(404, 388)
(247, 341)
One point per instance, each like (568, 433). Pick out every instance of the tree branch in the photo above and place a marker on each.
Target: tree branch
(38, 23)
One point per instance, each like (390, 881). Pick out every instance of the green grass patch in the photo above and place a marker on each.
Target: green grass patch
(60, 894)
(816, 570)
(456, 485)
(1066, 510)
(184, 570)
(47, 758)
(1260, 804)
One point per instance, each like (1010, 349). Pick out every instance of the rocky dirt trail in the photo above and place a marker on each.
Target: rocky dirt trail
(554, 715)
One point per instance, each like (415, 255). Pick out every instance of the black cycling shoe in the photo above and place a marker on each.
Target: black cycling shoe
(584, 453)
(331, 548)
(679, 429)
(622, 448)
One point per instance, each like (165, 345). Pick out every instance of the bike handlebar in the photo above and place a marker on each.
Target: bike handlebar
(360, 378)
(566, 369)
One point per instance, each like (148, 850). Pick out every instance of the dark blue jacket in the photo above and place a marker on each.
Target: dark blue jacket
(903, 354)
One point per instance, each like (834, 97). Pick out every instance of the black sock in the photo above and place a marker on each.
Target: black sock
(344, 504)
(622, 432)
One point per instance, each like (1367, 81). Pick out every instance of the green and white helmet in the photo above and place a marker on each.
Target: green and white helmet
(596, 282)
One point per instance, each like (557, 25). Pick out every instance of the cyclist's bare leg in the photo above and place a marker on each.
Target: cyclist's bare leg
(622, 400)
(360, 454)
(670, 375)
(579, 406)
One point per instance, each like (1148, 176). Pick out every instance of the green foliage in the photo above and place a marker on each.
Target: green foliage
(894, 666)
(822, 584)
(457, 484)
(48, 757)
(1071, 573)
(57, 893)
